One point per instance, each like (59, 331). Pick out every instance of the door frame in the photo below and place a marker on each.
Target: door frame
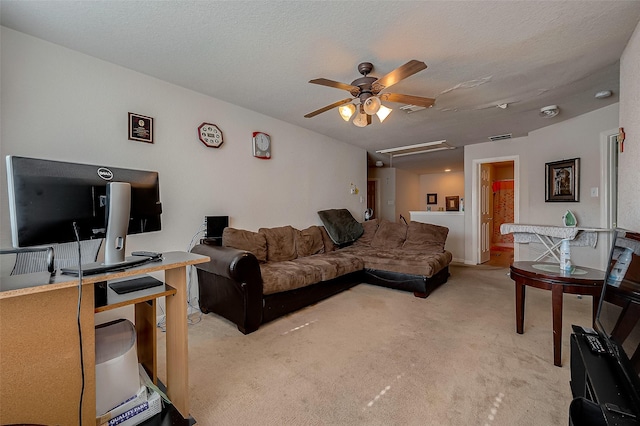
(608, 156)
(475, 201)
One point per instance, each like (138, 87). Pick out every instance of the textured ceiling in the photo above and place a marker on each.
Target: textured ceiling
(261, 54)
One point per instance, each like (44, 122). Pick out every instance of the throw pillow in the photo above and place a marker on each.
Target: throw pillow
(370, 227)
(281, 243)
(246, 240)
(341, 225)
(326, 239)
(389, 235)
(421, 236)
(309, 241)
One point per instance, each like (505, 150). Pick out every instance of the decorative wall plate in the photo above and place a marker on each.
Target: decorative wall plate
(210, 135)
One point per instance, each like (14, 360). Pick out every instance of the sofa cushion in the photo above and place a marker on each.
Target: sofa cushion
(329, 245)
(334, 264)
(370, 227)
(241, 239)
(390, 235)
(341, 225)
(426, 263)
(281, 243)
(309, 241)
(288, 275)
(425, 236)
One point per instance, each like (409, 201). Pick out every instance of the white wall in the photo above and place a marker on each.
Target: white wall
(60, 104)
(443, 184)
(629, 160)
(576, 137)
(407, 193)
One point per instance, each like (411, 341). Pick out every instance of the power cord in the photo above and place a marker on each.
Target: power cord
(190, 272)
(162, 323)
(75, 229)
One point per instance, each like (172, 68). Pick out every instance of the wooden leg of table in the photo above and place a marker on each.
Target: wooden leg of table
(556, 301)
(177, 341)
(520, 296)
(147, 338)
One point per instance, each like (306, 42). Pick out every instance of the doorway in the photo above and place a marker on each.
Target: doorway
(497, 193)
(372, 197)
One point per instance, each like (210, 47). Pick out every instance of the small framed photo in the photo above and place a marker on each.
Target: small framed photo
(140, 128)
(432, 198)
(452, 203)
(562, 180)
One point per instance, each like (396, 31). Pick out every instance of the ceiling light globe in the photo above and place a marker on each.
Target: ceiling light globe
(360, 120)
(383, 112)
(346, 111)
(372, 105)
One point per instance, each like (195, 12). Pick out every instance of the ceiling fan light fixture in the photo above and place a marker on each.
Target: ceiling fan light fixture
(361, 120)
(383, 112)
(346, 111)
(372, 105)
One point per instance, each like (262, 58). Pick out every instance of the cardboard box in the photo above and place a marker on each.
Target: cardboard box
(139, 413)
(132, 402)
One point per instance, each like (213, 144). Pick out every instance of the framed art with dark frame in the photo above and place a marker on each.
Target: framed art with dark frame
(562, 180)
(452, 203)
(432, 198)
(140, 128)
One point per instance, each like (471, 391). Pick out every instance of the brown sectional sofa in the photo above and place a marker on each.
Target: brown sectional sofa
(255, 277)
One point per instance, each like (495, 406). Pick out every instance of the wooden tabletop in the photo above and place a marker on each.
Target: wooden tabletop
(38, 282)
(551, 272)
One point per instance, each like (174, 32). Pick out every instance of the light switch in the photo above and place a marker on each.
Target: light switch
(594, 191)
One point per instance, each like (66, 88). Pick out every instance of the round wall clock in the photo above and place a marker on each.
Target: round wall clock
(210, 135)
(261, 145)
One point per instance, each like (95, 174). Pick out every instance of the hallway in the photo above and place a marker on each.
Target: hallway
(501, 255)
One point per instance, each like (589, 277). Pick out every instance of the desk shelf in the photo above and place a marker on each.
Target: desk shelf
(115, 300)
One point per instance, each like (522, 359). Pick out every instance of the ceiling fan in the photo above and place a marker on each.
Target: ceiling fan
(366, 93)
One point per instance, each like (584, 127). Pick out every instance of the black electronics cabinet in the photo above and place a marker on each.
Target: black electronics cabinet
(599, 390)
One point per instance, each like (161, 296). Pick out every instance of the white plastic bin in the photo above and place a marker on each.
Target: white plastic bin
(117, 377)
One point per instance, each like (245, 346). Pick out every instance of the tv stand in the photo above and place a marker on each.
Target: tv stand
(599, 390)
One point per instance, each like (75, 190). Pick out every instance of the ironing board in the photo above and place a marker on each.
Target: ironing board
(551, 236)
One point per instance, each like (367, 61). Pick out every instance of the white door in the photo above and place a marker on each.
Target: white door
(486, 207)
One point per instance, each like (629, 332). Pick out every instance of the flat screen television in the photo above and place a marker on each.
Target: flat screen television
(49, 201)
(617, 321)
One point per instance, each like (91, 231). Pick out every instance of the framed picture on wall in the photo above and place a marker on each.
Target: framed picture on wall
(562, 180)
(140, 128)
(432, 198)
(452, 203)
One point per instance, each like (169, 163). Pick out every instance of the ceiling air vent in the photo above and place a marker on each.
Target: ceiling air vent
(500, 137)
(411, 108)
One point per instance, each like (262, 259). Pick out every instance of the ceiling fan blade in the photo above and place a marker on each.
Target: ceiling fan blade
(400, 73)
(336, 84)
(407, 99)
(328, 107)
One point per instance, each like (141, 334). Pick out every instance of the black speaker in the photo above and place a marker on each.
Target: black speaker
(215, 225)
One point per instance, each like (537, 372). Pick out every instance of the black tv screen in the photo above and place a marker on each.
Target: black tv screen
(46, 197)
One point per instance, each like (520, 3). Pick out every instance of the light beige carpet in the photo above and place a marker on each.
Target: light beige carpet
(376, 356)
